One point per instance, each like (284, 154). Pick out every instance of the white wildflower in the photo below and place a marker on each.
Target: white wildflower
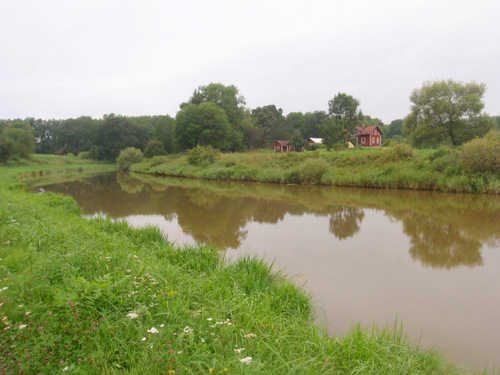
(144, 338)
(250, 335)
(65, 369)
(246, 360)
(239, 350)
(153, 330)
(132, 315)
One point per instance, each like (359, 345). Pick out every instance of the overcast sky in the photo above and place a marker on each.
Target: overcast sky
(68, 58)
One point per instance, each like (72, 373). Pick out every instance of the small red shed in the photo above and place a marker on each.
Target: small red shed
(369, 136)
(283, 146)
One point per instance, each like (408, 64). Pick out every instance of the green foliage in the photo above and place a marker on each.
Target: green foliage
(84, 155)
(127, 157)
(331, 131)
(203, 156)
(202, 124)
(345, 109)
(482, 155)
(271, 125)
(312, 170)
(446, 112)
(398, 152)
(6, 148)
(16, 140)
(154, 148)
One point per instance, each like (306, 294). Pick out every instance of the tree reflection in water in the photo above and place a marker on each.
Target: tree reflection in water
(444, 230)
(345, 221)
(442, 246)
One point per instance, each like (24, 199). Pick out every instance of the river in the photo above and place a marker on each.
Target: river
(429, 261)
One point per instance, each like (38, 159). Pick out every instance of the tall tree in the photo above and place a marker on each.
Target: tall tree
(202, 124)
(344, 109)
(16, 139)
(447, 112)
(271, 124)
(227, 98)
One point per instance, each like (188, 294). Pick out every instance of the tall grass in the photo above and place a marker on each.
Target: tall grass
(399, 167)
(98, 297)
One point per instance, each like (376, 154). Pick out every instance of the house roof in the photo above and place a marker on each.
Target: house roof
(316, 140)
(367, 130)
(283, 143)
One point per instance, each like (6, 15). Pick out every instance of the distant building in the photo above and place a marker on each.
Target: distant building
(313, 141)
(368, 136)
(283, 146)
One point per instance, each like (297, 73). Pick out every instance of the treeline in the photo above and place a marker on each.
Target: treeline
(215, 115)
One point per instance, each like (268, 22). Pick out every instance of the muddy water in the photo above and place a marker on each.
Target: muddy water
(428, 260)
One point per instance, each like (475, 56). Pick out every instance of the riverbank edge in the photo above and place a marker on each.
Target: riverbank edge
(431, 170)
(59, 267)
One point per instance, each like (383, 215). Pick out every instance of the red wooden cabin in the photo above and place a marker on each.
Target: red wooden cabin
(369, 136)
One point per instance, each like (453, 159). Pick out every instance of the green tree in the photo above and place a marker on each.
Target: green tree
(127, 157)
(75, 135)
(115, 133)
(447, 112)
(163, 131)
(6, 148)
(154, 148)
(202, 124)
(394, 129)
(331, 131)
(271, 124)
(16, 138)
(228, 99)
(344, 109)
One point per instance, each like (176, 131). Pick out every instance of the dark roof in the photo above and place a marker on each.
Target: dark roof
(367, 130)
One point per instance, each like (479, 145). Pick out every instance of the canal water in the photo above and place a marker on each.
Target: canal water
(430, 261)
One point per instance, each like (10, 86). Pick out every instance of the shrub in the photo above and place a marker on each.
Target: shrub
(158, 160)
(154, 148)
(203, 155)
(398, 152)
(312, 170)
(481, 155)
(84, 155)
(127, 157)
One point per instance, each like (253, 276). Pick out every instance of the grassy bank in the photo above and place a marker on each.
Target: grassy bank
(393, 168)
(96, 297)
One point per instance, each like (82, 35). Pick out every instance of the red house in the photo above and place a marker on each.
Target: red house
(283, 146)
(368, 136)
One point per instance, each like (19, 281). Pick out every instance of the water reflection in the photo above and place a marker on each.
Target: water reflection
(445, 230)
(345, 221)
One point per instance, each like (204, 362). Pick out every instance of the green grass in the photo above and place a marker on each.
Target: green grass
(435, 170)
(97, 297)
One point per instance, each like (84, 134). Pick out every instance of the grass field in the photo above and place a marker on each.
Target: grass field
(84, 296)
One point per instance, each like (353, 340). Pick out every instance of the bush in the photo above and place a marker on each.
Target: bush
(84, 155)
(127, 157)
(154, 148)
(202, 156)
(312, 170)
(481, 155)
(398, 152)
(158, 160)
